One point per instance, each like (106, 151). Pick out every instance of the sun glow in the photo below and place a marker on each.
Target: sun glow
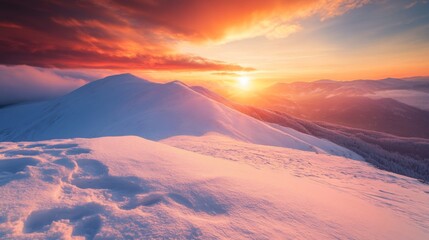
(243, 82)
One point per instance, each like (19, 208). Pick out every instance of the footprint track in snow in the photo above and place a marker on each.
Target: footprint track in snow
(92, 167)
(14, 165)
(21, 152)
(55, 150)
(36, 145)
(118, 185)
(130, 192)
(93, 174)
(85, 218)
(61, 146)
(124, 192)
(14, 168)
(77, 151)
(66, 162)
(88, 227)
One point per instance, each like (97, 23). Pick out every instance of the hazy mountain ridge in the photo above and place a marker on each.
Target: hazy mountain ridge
(394, 106)
(407, 156)
(327, 86)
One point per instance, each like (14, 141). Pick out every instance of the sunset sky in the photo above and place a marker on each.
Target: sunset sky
(211, 42)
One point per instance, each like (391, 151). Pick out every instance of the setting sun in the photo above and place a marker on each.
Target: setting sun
(243, 82)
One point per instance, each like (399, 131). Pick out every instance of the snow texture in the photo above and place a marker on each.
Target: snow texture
(132, 188)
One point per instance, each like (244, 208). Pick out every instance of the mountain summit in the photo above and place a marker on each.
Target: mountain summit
(124, 104)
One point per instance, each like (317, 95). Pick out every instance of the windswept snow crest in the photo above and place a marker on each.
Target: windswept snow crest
(123, 105)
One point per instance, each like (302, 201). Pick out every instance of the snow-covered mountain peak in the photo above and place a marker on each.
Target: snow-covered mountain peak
(124, 105)
(122, 77)
(178, 82)
(117, 82)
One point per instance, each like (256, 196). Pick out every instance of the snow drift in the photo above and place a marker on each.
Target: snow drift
(132, 188)
(124, 105)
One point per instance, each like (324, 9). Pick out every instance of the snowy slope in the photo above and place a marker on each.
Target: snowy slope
(126, 105)
(132, 188)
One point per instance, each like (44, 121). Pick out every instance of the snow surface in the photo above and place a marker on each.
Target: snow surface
(214, 173)
(123, 105)
(133, 188)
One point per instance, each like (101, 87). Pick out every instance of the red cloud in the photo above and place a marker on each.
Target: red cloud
(139, 34)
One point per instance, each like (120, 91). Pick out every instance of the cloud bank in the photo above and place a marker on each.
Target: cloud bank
(144, 34)
(24, 83)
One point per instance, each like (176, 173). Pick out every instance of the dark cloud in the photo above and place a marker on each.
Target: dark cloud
(94, 60)
(85, 34)
(137, 34)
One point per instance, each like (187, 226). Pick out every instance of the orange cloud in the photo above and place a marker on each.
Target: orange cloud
(197, 20)
(143, 34)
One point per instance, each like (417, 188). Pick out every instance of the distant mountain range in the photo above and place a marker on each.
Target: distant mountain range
(394, 106)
